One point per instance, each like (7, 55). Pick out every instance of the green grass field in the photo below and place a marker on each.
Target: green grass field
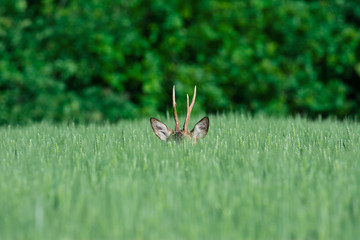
(250, 178)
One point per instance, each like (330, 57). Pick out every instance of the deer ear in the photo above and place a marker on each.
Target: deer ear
(201, 129)
(160, 129)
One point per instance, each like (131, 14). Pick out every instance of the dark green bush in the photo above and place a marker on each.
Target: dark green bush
(105, 60)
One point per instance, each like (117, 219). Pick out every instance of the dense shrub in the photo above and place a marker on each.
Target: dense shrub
(104, 60)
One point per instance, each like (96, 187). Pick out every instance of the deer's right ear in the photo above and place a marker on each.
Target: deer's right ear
(160, 129)
(201, 129)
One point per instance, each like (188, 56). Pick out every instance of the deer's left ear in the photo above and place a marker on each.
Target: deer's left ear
(201, 129)
(160, 129)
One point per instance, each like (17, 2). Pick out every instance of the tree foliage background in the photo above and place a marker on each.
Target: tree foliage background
(101, 60)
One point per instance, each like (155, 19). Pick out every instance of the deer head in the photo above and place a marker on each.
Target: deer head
(166, 134)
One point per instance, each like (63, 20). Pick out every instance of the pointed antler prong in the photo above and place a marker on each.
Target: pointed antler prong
(187, 101)
(177, 125)
(193, 100)
(189, 109)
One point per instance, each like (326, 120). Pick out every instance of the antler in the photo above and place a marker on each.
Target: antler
(188, 110)
(177, 125)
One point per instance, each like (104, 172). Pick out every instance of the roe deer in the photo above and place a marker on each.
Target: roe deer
(166, 134)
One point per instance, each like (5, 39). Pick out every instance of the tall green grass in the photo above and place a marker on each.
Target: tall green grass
(250, 178)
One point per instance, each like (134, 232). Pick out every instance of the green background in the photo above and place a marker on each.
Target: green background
(90, 61)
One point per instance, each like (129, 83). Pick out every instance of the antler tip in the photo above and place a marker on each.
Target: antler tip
(173, 96)
(177, 126)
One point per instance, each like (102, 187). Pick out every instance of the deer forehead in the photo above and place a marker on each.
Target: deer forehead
(182, 132)
(179, 135)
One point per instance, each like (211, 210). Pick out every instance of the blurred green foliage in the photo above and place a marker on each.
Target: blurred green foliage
(101, 60)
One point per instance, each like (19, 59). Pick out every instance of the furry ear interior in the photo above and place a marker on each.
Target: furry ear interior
(160, 129)
(200, 129)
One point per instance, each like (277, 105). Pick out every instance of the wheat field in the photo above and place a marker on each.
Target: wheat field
(252, 177)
